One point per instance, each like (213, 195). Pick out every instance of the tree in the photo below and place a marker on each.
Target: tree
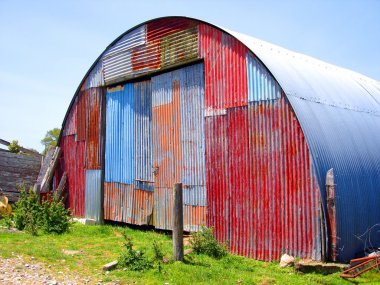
(14, 147)
(50, 139)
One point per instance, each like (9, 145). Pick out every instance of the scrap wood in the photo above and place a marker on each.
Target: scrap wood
(362, 265)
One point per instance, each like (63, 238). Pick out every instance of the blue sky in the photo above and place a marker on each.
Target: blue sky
(46, 47)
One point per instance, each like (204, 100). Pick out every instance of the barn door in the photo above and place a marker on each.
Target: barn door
(178, 144)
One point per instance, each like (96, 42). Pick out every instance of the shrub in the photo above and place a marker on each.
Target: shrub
(54, 217)
(158, 255)
(133, 259)
(205, 242)
(27, 212)
(14, 147)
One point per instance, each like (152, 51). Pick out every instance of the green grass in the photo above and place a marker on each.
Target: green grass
(103, 244)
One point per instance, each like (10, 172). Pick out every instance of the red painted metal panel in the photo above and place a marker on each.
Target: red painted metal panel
(81, 116)
(161, 28)
(261, 189)
(73, 154)
(94, 97)
(71, 122)
(225, 69)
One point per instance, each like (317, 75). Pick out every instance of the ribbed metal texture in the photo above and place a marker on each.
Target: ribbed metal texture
(178, 133)
(142, 211)
(118, 202)
(119, 152)
(143, 143)
(73, 154)
(94, 97)
(225, 69)
(95, 78)
(151, 47)
(71, 122)
(339, 112)
(93, 194)
(261, 85)
(81, 116)
(262, 194)
(117, 60)
(194, 217)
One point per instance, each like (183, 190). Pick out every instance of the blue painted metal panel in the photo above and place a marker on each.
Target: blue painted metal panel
(339, 112)
(93, 196)
(261, 84)
(119, 152)
(143, 136)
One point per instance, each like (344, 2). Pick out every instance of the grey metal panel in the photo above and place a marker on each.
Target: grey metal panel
(93, 194)
(339, 112)
(95, 78)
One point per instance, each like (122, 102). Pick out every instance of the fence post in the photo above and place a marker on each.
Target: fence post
(178, 222)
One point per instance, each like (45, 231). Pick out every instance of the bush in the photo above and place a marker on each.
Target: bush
(158, 255)
(205, 242)
(27, 214)
(133, 259)
(50, 216)
(54, 217)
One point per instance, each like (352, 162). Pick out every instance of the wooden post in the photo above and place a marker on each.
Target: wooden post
(331, 211)
(177, 222)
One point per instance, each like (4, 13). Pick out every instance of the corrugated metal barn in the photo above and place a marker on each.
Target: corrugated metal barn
(251, 130)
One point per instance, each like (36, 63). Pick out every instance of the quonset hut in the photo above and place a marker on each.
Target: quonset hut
(251, 130)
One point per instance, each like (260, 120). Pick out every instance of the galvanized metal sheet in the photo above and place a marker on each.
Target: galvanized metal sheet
(339, 112)
(93, 195)
(119, 152)
(95, 77)
(261, 84)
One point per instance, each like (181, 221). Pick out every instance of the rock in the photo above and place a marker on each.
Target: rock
(286, 260)
(188, 251)
(375, 253)
(166, 260)
(308, 265)
(72, 252)
(110, 266)
(87, 221)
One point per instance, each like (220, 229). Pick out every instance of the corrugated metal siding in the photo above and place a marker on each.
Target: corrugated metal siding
(71, 122)
(93, 194)
(73, 154)
(143, 143)
(118, 202)
(95, 78)
(94, 97)
(261, 85)
(194, 217)
(262, 194)
(119, 152)
(339, 112)
(151, 47)
(163, 208)
(81, 116)
(142, 210)
(225, 69)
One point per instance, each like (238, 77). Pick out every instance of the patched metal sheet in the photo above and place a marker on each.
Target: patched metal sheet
(71, 122)
(93, 195)
(119, 152)
(118, 202)
(95, 77)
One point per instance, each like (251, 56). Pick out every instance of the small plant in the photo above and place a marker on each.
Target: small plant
(158, 255)
(14, 147)
(205, 242)
(54, 217)
(7, 220)
(27, 214)
(133, 259)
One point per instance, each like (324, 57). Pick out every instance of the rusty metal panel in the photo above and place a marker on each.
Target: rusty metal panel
(225, 69)
(143, 143)
(194, 217)
(94, 97)
(119, 152)
(142, 208)
(164, 27)
(93, 194)
(81, 116)
(118, 202)
(261, 85)
(95, 77)
(163, 208)
(70, 127)
(73, 154)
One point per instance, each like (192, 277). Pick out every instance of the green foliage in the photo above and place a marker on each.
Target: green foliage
(134, 260)
(50, 216)
(7, 220)
(14, 147)
(50, 139)
(54, 217)
(205, 242)
(158, 254)
(27, 212)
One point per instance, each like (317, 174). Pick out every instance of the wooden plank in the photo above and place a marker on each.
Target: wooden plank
(45, 184)
(178, 223)
(62, 186)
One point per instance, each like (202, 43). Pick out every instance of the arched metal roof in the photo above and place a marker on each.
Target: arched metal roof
(339, 112)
